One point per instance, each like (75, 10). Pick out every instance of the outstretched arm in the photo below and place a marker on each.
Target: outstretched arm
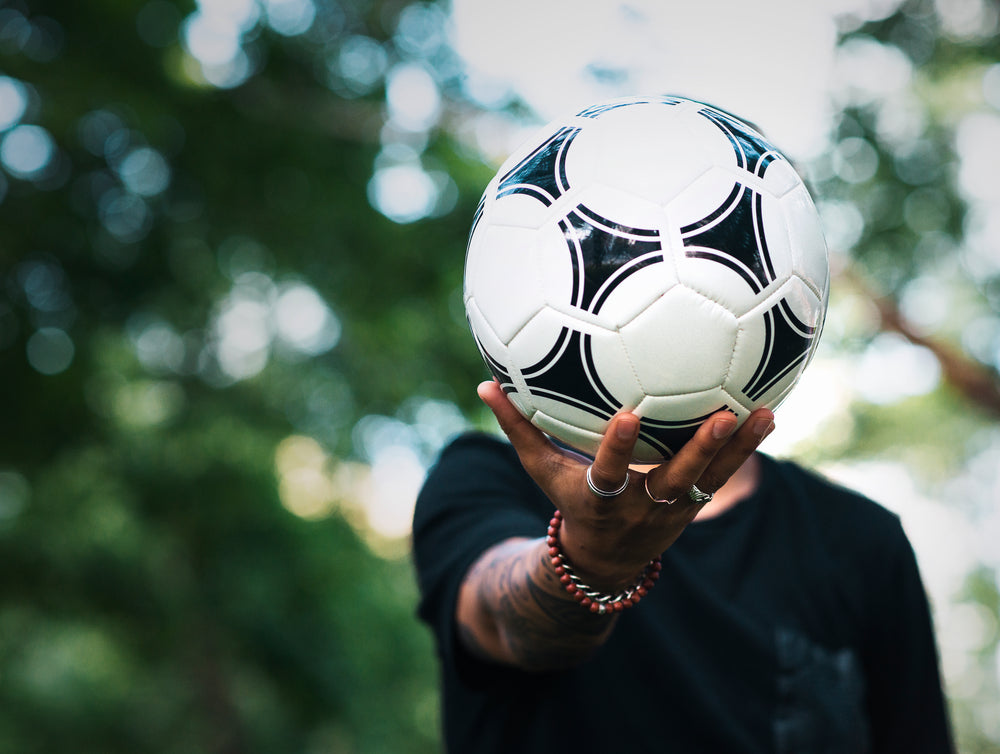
(512, 607)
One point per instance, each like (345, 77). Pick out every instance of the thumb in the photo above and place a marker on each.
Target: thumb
(531, 444)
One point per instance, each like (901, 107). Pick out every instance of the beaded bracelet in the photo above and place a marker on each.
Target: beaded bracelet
(587, 596)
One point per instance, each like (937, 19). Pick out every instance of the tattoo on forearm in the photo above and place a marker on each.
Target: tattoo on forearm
(540, 625)
(470, 640)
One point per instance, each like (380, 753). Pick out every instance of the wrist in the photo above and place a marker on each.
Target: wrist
(591, 597)
(610, 569)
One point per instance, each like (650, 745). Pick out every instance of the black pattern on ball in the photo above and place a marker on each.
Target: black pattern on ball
(542, 174)
(603, 253)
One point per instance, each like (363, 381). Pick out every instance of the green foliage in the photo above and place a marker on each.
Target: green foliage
(158, 593)
(158, 596)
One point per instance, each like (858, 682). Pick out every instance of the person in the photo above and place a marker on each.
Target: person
(788, 614)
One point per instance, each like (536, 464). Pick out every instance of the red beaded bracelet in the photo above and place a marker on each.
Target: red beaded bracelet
(587, 596)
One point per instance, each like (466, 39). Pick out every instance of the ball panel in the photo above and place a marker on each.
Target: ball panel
(772, 237)
(681, 343)
(689, 407)
(599, 109)
(522, 403)
(780, 178)
(477, 217)
(556, 265)
(609, 371)
(808, 312)
(542, 173)
(500, 275)
(808, 246)
(718, 279)
(804, 307)
(643, 147)
(568, 381)
(541, 342)
(601, 251)
(634, 288)
(577, 428)
(775, 343)
(632, 215)
(667, 422)
(717, 144)
(531, 144)
(519, 211)
(572, 434)
(704, 199)
(493, 350)
(774, 401)
(750, 354)
(751, 151)
(734, 236)
(651, 451)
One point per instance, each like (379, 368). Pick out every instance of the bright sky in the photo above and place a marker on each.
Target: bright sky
(768, 62)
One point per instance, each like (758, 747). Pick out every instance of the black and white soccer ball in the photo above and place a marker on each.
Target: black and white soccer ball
(653, 254)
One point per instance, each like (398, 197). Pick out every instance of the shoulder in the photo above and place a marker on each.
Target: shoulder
(850, 546)
(476, 495)
(478, 446)
(478, 474)
(844, 517)
(475, 462)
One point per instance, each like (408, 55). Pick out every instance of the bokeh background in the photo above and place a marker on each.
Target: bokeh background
(232, 337)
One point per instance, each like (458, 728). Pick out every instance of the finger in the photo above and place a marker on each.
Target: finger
(674, 478)
(615, 452)
(530, 442)
(736, 452)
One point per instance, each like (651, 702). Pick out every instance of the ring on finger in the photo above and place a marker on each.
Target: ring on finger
(605, 493)
(694, 496)
(698, 497)
(656, 499)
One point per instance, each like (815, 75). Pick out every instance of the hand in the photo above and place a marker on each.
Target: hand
(610, 540)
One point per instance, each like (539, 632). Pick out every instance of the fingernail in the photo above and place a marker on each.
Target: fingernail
(762, 428)
(627, 427)
(723, 428)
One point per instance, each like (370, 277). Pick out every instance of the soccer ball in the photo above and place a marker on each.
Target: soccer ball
(651, 254)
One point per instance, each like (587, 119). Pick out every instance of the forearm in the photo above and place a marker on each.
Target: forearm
(513, 609)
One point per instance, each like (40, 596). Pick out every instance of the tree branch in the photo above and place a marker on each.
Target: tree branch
(978, 383)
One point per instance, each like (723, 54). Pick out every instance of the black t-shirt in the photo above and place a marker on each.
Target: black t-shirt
(795, 621)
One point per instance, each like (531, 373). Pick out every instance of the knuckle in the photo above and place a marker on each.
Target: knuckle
(607, 477)
(743, 447)
(711, 482)
(702, 452)
(599, 477)
(675, 483)
(606, 466)
(605, 480)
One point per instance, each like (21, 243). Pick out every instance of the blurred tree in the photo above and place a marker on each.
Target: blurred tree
(909, 192)
(191, 274)
(230, 285)
(902, 189)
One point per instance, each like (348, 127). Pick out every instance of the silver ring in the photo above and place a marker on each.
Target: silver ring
(694, 495)
(604, 493)
(655, 499)
(698, 497)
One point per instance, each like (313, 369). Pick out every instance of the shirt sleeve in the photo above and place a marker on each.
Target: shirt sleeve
(476, 496)
(906, 702)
